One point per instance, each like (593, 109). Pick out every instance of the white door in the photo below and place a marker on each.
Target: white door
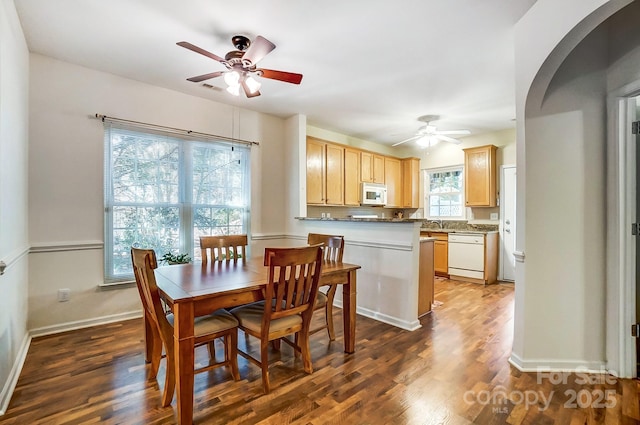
(508, 223)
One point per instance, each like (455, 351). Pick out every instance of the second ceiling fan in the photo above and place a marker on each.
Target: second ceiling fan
(428, 135)
(241, 65)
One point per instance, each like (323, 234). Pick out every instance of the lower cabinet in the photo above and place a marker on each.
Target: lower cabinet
(441, 252)
(425, 276)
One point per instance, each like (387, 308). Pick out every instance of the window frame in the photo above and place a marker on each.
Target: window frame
(428, 193)
(185, 205)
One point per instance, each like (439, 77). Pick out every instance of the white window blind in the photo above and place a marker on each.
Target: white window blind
(444, 193)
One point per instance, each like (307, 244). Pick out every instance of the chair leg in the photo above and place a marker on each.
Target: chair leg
(156, 354)
(211, 346)
(169, 379)
(231, 353)
(276, 344)
(329, 312)
(304, 349)
(264, 364)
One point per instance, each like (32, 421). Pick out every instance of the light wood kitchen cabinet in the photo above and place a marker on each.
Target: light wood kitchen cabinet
(351, 177)
(371, 168)
(480, 176)
(440, 252)
(393, 180)
(425, 277)
(325, 173)
(411, 183)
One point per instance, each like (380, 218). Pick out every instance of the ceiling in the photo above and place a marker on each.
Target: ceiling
(370, 68)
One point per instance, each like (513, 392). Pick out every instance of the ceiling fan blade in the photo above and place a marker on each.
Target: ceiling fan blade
(287, 77)
(247, 90)
(452, 132)
(197, 49)
(447, 139)
(407, 140)
(205, 76)
(258, 49)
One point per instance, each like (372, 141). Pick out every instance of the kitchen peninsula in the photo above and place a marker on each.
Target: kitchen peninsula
(388, 250)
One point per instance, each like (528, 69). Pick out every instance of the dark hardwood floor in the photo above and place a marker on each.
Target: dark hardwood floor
(454, 370)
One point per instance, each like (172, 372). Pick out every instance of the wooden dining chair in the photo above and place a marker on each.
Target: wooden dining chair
(219, 324)
(223, 248)
(289, 296)
(333, 251)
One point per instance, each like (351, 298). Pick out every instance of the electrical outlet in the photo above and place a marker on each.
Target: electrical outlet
(64, 294)
(494, 216)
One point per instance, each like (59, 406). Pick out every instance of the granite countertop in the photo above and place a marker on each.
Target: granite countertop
(475, 231)
(461, 226)
(376, 220)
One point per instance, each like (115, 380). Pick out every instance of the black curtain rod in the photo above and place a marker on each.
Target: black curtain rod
(104, 118)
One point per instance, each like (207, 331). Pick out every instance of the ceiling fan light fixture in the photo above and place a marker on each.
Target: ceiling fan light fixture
(232, 78)
(234, 90)
(253, 84)
(427, 141)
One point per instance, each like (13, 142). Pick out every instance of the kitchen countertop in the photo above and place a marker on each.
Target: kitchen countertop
(482, 232)
(404, 220)
(374, 220)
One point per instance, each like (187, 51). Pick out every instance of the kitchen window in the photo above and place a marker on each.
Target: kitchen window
(444, 193)
(164, 192)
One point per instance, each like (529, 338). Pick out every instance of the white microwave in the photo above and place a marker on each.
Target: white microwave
(374, 194)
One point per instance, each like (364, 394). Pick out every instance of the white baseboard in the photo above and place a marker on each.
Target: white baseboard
(546, 365)
(384, 318)
(12, 380)
(80, 324)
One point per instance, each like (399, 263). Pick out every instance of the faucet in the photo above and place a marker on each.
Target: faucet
(438, 222)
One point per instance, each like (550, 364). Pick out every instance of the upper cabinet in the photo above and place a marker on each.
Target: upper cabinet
(352, 177)
(325, 173)
(372, 168)
(480, 176)
(411, 183)
(335, 174)
(393, 180)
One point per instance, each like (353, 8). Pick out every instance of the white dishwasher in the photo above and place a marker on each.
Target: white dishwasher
(466, 255)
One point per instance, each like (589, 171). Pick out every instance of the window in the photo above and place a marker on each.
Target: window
(164, 192)
(444, 193)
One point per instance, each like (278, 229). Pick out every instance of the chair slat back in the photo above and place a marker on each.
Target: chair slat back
(294, 274)
(334, 245)
(223, 248)
(144, 263)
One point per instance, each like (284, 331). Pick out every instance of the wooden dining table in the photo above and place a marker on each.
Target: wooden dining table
(198, 289)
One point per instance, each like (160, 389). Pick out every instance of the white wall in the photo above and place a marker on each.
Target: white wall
(66, 179)
(447, 154)
(561, 159)
(14, 244)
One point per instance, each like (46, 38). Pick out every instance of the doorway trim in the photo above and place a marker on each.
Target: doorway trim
(621, 251)
(501, 225)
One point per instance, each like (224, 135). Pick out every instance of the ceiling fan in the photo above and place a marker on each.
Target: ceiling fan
(428, 135)
(241, 65)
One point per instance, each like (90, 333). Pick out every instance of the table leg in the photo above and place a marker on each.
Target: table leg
(184, 360)
(349, 312)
